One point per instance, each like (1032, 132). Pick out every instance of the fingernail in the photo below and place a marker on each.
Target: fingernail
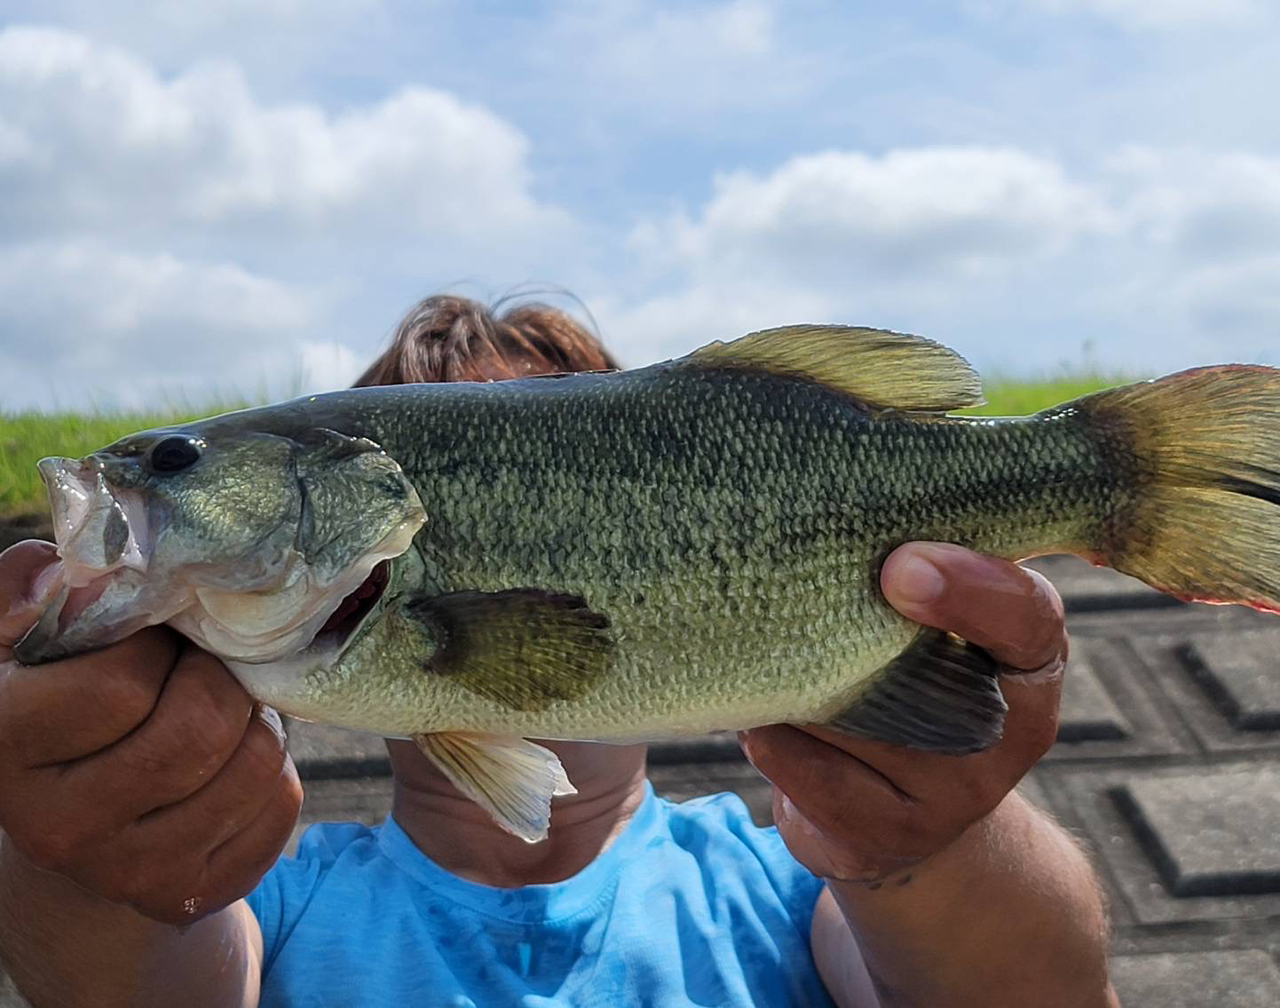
(271, 718)
(44, 582)
(916, 580)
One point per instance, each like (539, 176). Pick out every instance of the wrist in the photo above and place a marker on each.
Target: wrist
(1012, 898)
(23, 883)
(947, 875)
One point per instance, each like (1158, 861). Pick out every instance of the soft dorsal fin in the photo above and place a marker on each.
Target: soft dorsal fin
(882, 368)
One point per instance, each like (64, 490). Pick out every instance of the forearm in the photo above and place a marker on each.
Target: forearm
(65, 947)
(1009, 915)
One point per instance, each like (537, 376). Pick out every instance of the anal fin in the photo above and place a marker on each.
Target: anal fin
(513, 780)
(941, 694)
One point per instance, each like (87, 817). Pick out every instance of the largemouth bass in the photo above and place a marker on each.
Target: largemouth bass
(646, 554)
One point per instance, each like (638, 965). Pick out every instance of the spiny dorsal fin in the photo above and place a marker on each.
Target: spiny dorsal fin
(882, 368)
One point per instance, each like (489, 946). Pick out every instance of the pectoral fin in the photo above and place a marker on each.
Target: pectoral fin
(941, 694)
(513, 780)
(523, 648)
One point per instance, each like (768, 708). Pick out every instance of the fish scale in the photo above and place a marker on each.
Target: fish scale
(691, 546)
(761, 568)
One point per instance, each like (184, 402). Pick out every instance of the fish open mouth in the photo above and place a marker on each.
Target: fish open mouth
(352, 610)
(124, 567)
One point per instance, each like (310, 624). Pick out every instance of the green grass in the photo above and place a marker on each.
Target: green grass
(1010, 397)
(25, 438)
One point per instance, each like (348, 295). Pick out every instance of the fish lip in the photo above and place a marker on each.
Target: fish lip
(104, 541)
(85, 507)
(58, 632)
(59, 474)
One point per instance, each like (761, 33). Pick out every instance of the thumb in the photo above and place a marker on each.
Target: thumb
(27, 574)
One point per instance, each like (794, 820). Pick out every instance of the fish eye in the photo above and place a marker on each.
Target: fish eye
(174, 454)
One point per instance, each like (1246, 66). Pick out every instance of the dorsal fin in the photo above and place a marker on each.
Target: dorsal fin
(881, 368)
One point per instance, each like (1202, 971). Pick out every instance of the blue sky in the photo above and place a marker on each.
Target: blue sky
(243, 195)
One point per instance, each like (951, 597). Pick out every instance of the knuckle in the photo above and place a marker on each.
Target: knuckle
(127, 693)
(57, 848)
(156, 891)
(213, 736)
(1043, 732)
(289, 796)
(264, 749)
(293, 796)
(210, 724)
(1046, 593)
(982, 793)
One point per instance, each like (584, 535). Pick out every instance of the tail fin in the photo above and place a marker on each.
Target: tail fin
(1203, 521)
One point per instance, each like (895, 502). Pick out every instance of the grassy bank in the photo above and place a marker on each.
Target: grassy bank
(25, 438)
(1007, 397)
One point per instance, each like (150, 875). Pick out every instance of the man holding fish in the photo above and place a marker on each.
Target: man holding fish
(144, 793)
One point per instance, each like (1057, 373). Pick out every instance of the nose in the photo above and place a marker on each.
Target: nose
(53, 469)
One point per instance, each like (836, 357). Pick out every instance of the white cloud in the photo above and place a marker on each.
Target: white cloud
(1202, 206)
(845, 216)
(828, 235)
(96, 323)
(1156, 258)
(273, 181)
(1203, 237)
(159, 232)
(329, 365)
(90, 137)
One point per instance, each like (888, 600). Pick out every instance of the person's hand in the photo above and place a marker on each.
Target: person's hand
(857, 810)
(143, 772)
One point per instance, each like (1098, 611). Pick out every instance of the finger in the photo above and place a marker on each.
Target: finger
(1012, 612)
(235, 796)
(22, 589)
(1031, 726)
(240, 863)
(836, 791)
(71, 709)
(963, 787)
(183, 887)
(983, 778)
(197, 724)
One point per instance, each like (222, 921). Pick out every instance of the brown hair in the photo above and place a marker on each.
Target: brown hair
(448, 338)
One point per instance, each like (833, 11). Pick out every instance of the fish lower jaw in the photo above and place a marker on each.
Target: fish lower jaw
(287, 684)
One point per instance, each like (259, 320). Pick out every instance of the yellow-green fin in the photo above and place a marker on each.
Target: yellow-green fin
(512, 779)
(941, 694)
(881, 368)
(1202, 518)
(522, 648)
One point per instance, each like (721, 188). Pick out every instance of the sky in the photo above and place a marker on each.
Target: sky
(241, 198)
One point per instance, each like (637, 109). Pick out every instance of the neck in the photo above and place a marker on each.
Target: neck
(459, 836)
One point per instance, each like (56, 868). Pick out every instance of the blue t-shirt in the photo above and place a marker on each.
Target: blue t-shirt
(692, 905)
